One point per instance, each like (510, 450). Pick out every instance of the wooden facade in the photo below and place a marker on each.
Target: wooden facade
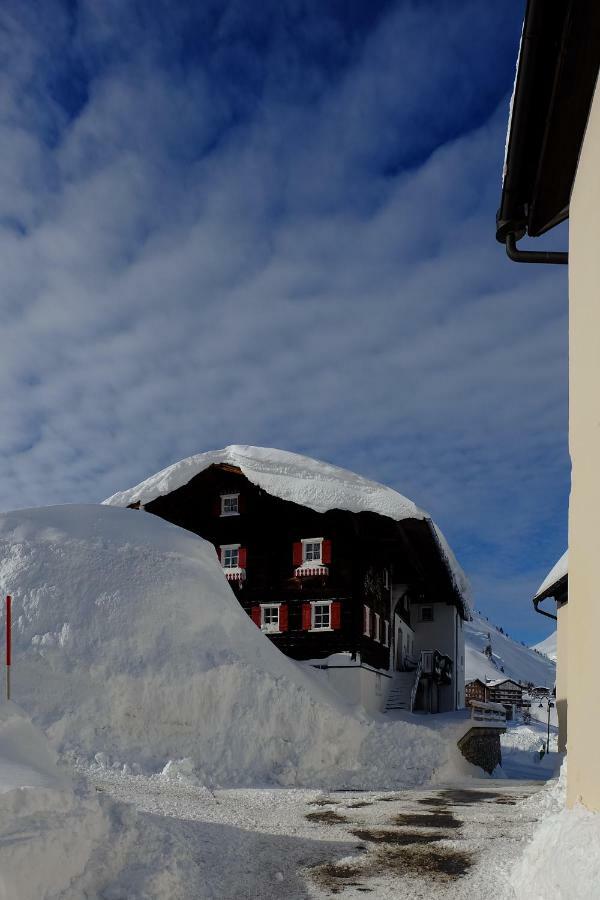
(365, 559)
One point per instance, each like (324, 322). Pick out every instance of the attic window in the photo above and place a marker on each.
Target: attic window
(426, 614)
(230, 504)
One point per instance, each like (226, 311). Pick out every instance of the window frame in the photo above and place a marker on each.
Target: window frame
(226, 514)
(223, 548)
(313, 606)
(422, 617)
(312, 541)
(263, 625)
(377, 628)
(386, 632)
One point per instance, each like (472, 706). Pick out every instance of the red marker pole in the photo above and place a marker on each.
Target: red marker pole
(8, 642)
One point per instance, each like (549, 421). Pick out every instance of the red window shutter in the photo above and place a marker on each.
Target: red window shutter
(283, 617)
(256, 614)
(219, 553)
(242, 557)
(241, 503)
(326, 552)
(336, 614)
(306, 616)
(297, 553)
(217, 506)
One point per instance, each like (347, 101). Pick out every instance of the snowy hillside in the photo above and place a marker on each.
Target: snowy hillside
(548, 646)
(298, 479)
(507, 657)
(130, 647)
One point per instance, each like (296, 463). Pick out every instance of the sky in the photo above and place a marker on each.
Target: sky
(274, 223)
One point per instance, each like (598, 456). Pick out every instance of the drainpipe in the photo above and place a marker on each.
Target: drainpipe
(542, 612)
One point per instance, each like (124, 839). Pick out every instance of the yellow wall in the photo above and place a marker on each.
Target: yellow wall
(583, 637)
(562, 674)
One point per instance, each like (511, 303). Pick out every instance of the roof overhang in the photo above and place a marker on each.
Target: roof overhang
(558, 591)
(556, 77)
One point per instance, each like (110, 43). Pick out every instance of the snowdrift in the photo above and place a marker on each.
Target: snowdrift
(129, 646)
(47, 831)
(297, 479)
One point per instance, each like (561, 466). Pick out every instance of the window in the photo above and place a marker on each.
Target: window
(269, 617)
(311, 550)
(321, 616)
(386, 633)
(230, 556)
(377, 635)
(426, 614)
(386, 578)
(230, 504)
(367, 621)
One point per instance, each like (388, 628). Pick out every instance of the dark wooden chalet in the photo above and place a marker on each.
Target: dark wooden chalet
(337, 582)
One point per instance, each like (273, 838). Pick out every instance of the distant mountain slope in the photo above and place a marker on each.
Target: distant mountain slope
(548, 647)
(506, 657)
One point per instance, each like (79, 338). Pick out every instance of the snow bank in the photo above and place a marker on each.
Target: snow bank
(555, 574)
(131, 648)
(48, 832)
(563, 859)
(298, 479)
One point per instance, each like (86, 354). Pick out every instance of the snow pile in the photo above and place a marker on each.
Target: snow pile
(131, 648)
(563, 859)
(548, 646)
(555, 574)
(48, 831)
(298, 479)
(490, 654)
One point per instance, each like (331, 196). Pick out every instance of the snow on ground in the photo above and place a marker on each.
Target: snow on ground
(508, 658)
(131, 648)
(298, 479)
(548, 646)
(555, 574)
(562, 861)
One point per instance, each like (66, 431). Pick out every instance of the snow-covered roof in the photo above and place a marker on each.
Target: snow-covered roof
(555, 574)
(309, 482)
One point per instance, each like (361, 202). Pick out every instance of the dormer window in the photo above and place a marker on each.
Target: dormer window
(230, 504)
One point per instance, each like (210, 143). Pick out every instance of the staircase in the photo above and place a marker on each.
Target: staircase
(399, 696)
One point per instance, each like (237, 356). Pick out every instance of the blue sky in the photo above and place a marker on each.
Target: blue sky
(228, 222)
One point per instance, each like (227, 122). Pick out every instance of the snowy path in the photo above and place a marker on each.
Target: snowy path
(242, 844)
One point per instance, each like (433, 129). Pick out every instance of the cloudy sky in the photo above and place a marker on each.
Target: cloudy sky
(273, 223)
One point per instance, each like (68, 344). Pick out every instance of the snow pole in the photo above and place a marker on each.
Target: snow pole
(8, 642)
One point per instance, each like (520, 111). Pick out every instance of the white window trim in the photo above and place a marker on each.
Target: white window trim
(314, 603)
(225, 547)
(312, 562)
(269, 629)
(367, 620)
(386, 633)
(386, 578)
(228, 497)
(377, 629)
